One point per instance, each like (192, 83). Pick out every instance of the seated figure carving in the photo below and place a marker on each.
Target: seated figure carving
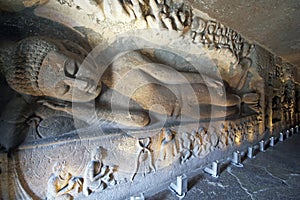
(61, 183)
(55, 70)
(97, 176)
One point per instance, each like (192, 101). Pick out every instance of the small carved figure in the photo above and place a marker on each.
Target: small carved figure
(178, 23)
(70, 3)
(168, 146)
(245, 131)
(231, 135)
(210, 36)
(250, 131)
(114, 10)
(185, 147)
(214, 139)
(198, 26)
(144, 156)
(206, 143)
(61, 183)
(223, 135)
(167, 21)
(196, 143)
(134, 8)
(155, 9)
(238, 134)
(96, 175)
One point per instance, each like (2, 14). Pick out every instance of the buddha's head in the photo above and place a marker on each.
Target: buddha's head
(54, 68)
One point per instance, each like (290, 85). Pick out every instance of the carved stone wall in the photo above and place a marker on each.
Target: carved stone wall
(128, 94)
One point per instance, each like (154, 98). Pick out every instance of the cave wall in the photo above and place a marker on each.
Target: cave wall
(171, 33)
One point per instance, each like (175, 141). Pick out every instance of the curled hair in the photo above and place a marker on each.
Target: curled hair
(25, 62)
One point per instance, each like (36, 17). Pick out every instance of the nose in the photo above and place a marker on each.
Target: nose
(81, 84)
(87, 85)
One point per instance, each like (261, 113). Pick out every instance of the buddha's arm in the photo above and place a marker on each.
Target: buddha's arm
(164, 74)
(168, 75)
(90, 114)
(127, 118)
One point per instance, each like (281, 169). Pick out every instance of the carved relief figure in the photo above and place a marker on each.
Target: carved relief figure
(168, 149)
(185, 146)
(223, 137)
(144, 157)
(250, 131)
(214, 138)
(238, 134)
(206, 144)
(61, 183)
(196, 143)
(97, 176)
(231, 135)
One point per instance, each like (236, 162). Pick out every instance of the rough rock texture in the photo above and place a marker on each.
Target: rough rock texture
(273, 24)
(156, 41)
(270, 175)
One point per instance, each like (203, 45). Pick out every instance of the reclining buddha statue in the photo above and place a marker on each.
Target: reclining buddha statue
(132, 86)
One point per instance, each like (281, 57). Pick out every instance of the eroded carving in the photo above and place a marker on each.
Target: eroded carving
(55, 71)
(46, 68)
(97, 176)
(168, 149)
(206, 144)
(185, 147)
(144, 158)
(61, 183)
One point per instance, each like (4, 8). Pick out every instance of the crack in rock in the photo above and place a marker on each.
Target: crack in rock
(261, 190)
(272, 175)
(282, 180)
(240, 183)
(217, 184)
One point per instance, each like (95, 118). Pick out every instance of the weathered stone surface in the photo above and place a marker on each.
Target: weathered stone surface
(160, 86)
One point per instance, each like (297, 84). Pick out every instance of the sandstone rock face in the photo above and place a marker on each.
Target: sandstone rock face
(125, 94)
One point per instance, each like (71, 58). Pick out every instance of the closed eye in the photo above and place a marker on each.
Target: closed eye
(71, 68)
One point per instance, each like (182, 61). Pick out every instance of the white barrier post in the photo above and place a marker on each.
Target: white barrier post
(215, 170)
(262, 146)
(237, 160)
(250, 153)
(281, 137)
(181, 186)
(272, 141)
(139, 197)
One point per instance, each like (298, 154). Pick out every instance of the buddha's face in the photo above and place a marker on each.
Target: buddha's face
(64, 75)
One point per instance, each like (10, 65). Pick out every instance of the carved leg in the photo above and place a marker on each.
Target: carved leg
(136, 166)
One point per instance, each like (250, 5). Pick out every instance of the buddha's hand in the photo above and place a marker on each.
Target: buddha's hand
(131, 118)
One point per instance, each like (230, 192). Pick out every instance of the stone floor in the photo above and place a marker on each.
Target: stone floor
(273, 174)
